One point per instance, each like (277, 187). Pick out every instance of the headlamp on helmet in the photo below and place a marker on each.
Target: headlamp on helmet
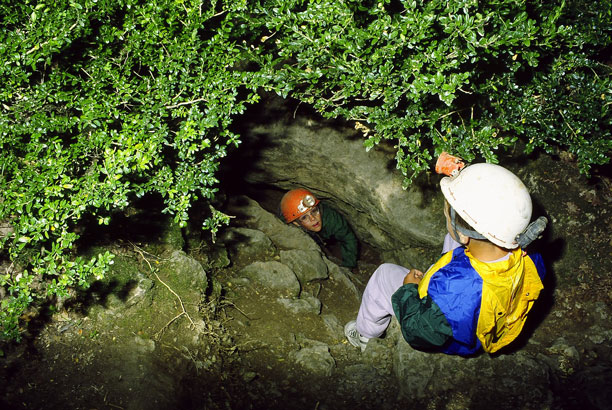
(296, 203)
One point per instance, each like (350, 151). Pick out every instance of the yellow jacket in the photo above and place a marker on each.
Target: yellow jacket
(484, 304)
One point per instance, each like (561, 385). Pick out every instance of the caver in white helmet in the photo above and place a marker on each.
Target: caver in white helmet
(492, 200)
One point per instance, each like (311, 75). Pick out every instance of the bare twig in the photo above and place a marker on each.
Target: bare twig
(44, 43)
(239, 310)
(568, 125)
(83, 70)
(160, 331)
(471, 122)
(296, 108)
(141, 252)
(185, 103)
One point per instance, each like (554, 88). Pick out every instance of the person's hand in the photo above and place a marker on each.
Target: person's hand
(414, 276)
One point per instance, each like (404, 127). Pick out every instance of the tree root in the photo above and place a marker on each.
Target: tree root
(142, 253)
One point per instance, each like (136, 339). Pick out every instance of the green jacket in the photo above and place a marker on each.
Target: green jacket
(335, 226)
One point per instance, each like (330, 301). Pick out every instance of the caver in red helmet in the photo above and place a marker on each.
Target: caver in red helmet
(296, 203)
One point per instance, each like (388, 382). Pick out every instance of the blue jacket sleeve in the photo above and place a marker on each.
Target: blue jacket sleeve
(539, 264)
(422, 322)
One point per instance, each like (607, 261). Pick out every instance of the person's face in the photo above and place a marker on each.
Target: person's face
(311, 220)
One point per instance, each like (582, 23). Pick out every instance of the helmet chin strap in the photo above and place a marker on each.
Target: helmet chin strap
(532, 232)
(459, 229)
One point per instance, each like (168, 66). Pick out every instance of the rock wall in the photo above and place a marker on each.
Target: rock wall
(287, 151)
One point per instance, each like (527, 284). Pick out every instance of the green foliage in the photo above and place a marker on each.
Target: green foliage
(105, 101)
(102, 102)
(465, 76)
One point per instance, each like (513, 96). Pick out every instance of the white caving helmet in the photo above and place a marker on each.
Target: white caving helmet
(492, 200)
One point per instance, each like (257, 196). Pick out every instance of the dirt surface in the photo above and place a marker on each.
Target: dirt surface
(132, 342)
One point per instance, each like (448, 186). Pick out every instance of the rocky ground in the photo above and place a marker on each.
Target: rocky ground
(255, 321)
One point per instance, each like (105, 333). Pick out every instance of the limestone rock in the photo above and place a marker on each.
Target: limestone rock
(273, 275)
(331, 161)
(140, 293)
(333, 325)
(341, 275)
(172, 235)
(308, 265)
(283, 236)
(305, 304)
(184, 272)
(413, 369)
(521, 377)
(247, 243)
(316, 360)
